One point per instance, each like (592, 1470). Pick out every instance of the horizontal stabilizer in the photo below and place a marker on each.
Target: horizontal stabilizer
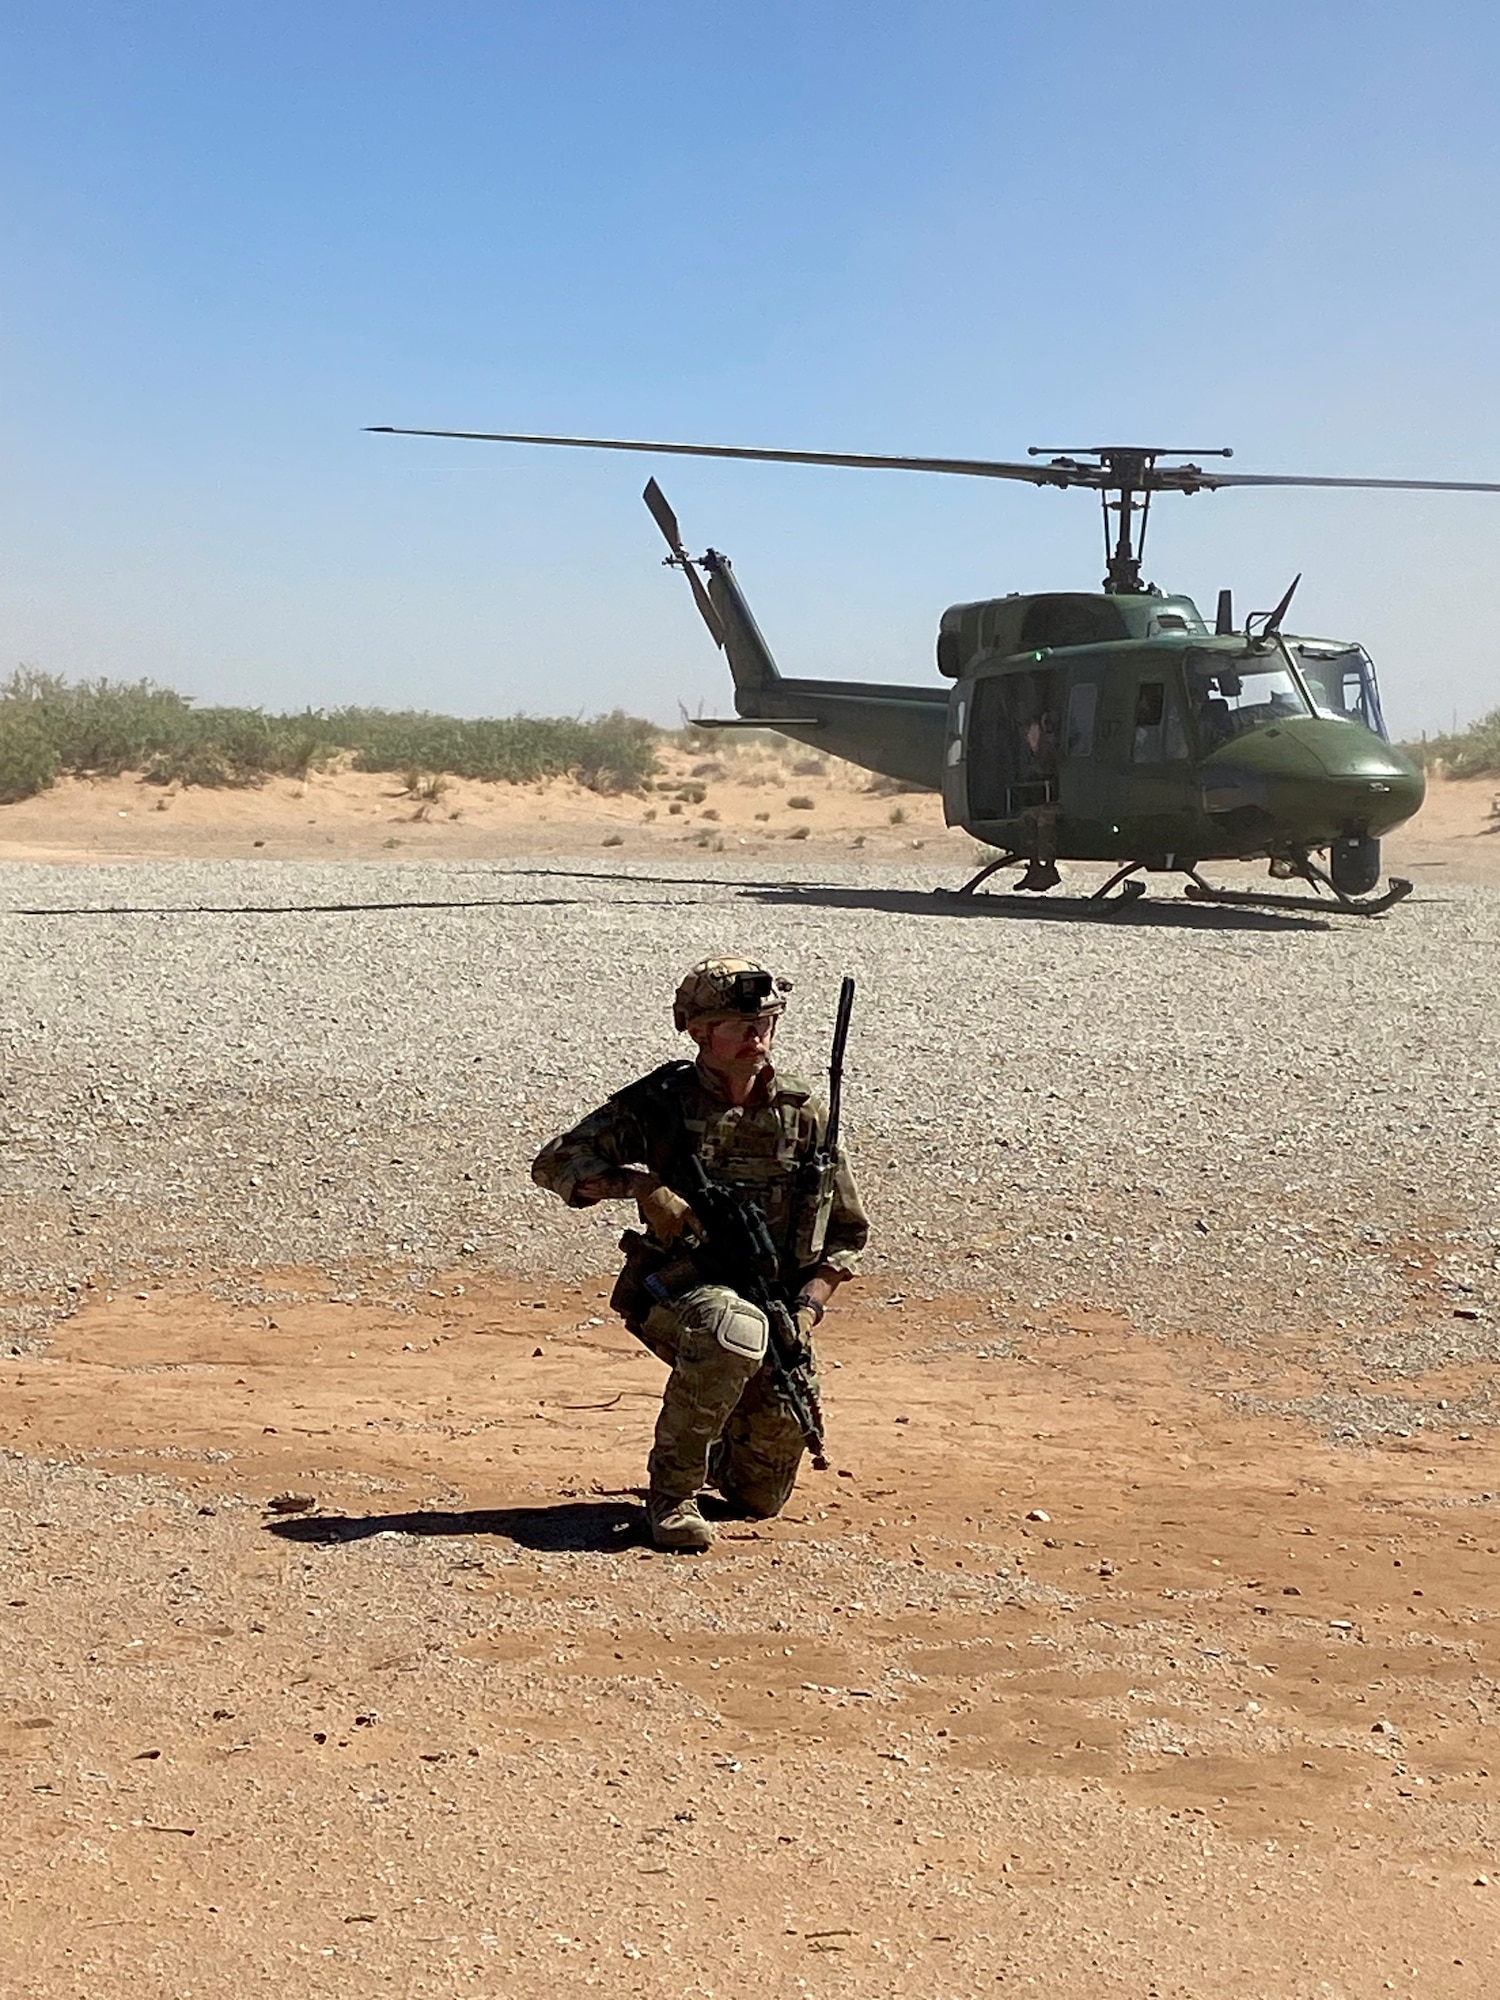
(759, 721)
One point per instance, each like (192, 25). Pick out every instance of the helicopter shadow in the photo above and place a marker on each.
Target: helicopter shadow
(1141, 914)
(320, 909)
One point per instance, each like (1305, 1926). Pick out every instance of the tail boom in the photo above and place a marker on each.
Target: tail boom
(899, 732)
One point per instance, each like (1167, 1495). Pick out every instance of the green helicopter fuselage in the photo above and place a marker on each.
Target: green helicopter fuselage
(1108, 728)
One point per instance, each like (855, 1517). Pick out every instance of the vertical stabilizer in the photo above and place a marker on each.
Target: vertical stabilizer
(723, 608)
(749, 656)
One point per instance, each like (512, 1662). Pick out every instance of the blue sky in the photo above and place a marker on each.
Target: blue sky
(235, 235)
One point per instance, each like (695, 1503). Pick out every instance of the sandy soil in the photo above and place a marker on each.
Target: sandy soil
(1069, 1678)
(1074, 1676)
(746, 803)
(746, 793)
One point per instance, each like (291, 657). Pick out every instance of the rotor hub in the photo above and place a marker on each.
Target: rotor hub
(1130, 473)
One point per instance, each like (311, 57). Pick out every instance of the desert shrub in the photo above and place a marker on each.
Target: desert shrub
(896, 816)
(28, 763)
(810, 767)
(205, 763)
(709, 770)
(108, 727)
(104, 726)
(798, 833)
(1472, 753)
(615, 752)
(801, 803)
(612, 753)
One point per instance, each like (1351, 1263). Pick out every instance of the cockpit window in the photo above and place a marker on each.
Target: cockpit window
(1231, 696)
(1341, 681)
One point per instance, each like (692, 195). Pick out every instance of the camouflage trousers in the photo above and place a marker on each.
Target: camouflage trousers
(719, 1399)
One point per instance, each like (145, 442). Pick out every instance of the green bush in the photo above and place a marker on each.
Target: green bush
(102, 727)
(1473, 753)
(613, 753)
(28, 762)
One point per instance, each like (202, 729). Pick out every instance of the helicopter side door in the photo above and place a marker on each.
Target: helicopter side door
(1084, 760)
(1007, 744)
(1153, 758)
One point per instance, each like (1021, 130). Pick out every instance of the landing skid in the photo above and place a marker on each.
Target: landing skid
(1199, 891)
(1040, 876)
(989, 868)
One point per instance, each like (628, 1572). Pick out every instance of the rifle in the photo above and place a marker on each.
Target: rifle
(830, 1149)
(737, 1250)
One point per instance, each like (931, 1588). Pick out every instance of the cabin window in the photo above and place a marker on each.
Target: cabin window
(1159, 735)
(1078, 729)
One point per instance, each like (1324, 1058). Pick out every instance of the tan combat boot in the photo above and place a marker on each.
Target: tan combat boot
(677, 1524)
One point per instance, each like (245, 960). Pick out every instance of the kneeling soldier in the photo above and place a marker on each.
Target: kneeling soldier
(756, 1132)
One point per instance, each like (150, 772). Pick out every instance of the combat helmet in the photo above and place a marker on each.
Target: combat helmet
(719, 988)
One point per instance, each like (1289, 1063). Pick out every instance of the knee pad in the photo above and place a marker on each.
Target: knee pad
(740, 1328)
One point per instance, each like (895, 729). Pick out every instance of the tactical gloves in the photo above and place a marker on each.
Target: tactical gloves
(665, 1214)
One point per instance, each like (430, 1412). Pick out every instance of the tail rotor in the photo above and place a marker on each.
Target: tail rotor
(666, 520)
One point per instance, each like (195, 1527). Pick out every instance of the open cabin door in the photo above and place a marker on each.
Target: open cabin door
(1011, 743)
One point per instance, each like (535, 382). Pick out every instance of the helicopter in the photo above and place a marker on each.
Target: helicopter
(1115, 726)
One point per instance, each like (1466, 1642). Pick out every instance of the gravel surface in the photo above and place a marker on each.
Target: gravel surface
(1253, 1123)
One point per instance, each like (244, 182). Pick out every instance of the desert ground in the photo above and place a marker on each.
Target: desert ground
(1142, 1641)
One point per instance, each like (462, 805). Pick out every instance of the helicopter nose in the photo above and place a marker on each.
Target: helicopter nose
(1367, 785)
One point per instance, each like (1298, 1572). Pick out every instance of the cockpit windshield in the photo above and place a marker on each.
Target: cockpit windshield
(1241, 692)
(1341, 681)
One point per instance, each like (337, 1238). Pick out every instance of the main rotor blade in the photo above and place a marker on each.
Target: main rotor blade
(1061, 471)
(974, 468)
(1214, 479)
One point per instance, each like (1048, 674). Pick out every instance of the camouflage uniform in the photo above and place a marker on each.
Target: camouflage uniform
(719, 1395)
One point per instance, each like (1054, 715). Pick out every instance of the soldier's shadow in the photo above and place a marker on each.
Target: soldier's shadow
(571, 1526)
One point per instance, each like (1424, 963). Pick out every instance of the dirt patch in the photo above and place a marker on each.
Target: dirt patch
(740, 801)
(1070, 1676)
